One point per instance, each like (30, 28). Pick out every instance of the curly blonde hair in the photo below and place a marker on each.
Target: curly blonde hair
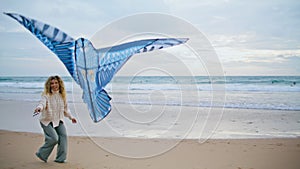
(62, 91)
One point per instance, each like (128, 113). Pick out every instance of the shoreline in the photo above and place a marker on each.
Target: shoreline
(18, 148)
(144, 138)
(169, 122)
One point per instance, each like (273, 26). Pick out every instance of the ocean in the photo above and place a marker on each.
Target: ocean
(242, 92)
(170, 107)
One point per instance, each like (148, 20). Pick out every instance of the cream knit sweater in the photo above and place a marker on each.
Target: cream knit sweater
(53, 109)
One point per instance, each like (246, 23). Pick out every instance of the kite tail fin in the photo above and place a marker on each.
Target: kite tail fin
(102, 105)
(98, 104)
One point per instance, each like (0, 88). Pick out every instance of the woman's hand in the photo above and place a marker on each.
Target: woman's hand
(74, 120)
(37, 110)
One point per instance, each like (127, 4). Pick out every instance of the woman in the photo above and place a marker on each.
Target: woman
(53, 107)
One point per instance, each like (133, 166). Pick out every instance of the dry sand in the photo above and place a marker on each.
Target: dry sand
(18, 149)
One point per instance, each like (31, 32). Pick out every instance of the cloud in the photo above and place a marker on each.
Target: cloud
(264, 63)
(241, 54)
(221, 40)
(273, 23)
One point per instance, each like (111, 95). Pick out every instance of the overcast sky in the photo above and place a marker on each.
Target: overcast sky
(252, 37)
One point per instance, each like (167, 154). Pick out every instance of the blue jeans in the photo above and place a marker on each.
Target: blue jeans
(53, 136)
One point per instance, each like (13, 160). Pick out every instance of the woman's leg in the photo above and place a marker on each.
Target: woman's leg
(62, 147)
(51, 139)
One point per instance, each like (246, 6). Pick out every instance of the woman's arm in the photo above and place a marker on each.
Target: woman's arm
(42, 104)
(67, 113)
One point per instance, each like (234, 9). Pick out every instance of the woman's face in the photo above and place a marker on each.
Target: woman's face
(54, 85)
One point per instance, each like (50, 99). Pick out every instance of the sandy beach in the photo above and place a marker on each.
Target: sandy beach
(252, 150)
(18, 148)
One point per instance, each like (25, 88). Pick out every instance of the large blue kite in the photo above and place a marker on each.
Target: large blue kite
(91, 68)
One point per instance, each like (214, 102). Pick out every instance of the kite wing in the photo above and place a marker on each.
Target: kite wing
(113, 58)
(57, 41)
